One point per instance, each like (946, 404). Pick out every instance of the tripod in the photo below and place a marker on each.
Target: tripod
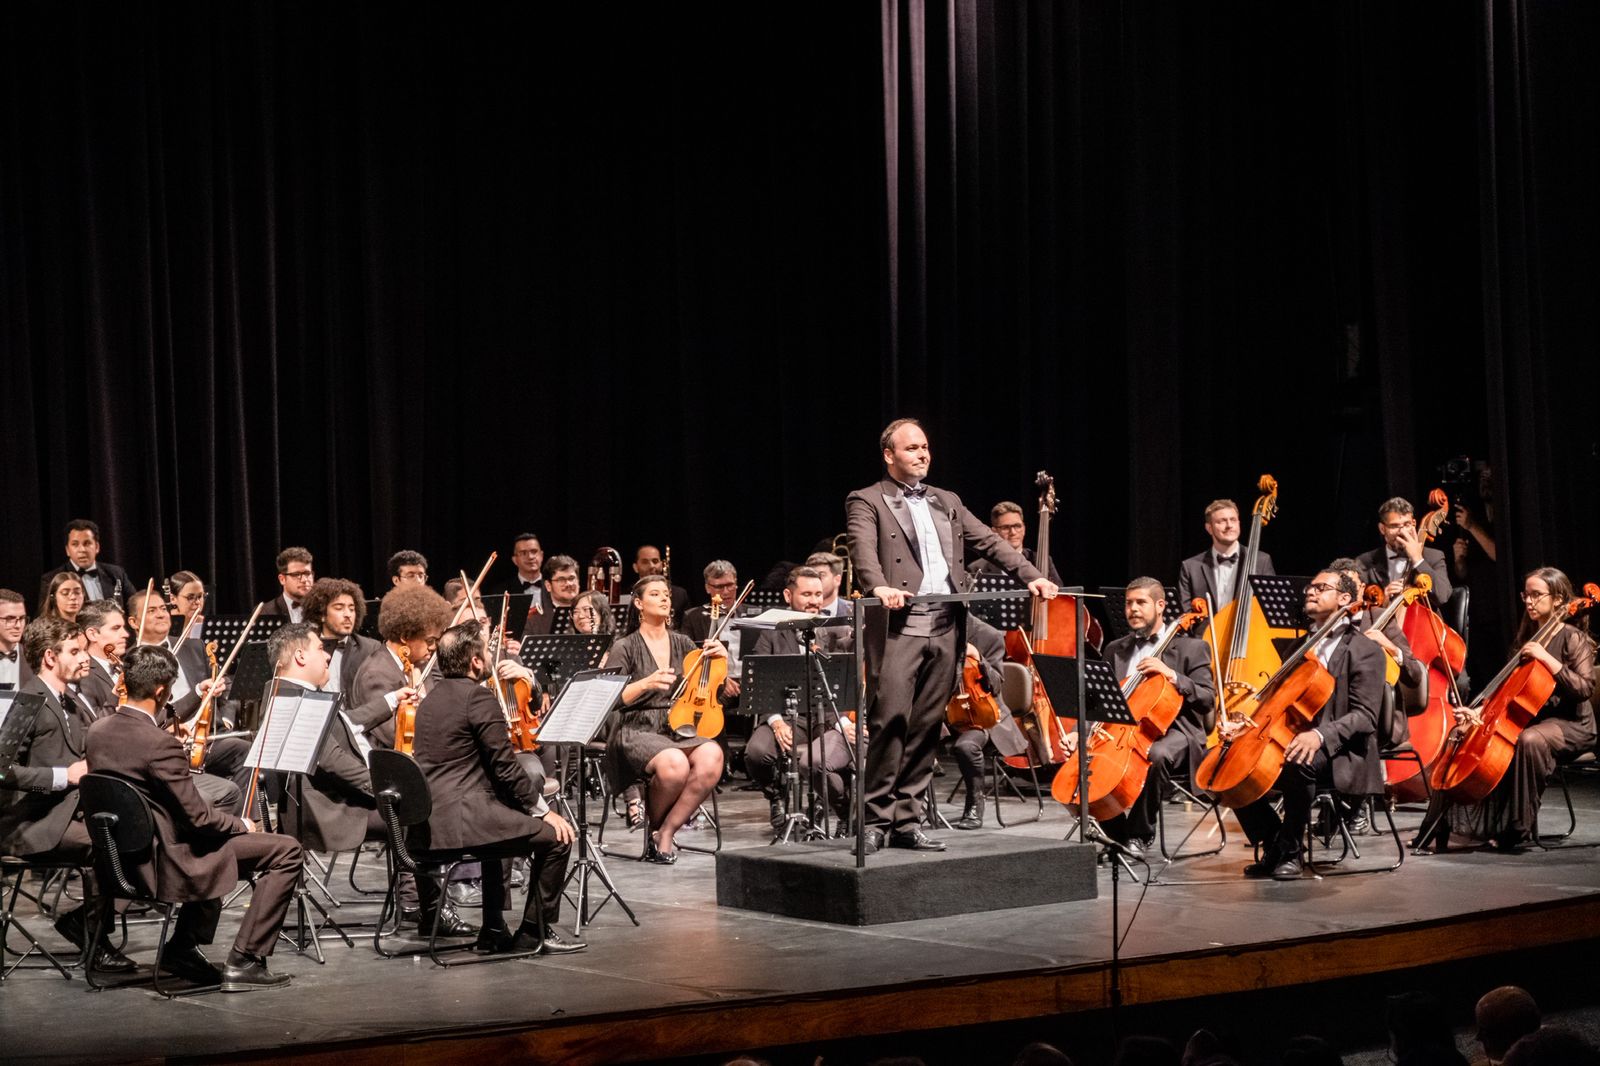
(588, 862)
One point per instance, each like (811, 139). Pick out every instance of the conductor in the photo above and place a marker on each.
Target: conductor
(909, 540)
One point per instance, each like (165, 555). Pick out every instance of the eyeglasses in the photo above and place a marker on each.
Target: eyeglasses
(1534, 597)
(193, 597)
(1319, 588)
(304, 575)
(1010, 527)
(564, 579)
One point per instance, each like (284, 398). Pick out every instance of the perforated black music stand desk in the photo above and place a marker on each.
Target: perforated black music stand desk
(369, 623)
(575, 724)
(784, 684)
(559, 656)
(16, 723)
(760, 599)
(225, 629)
(622, 614)
(251, 672)
(1011, 613)
(1059, 675)
(1116, 597)
(1282, 600)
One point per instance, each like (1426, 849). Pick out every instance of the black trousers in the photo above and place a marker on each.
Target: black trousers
(1298, 782)
(549, 859)
(968, 753)
(275, 861)
(762, 754)
(915, 683)
(225, 759)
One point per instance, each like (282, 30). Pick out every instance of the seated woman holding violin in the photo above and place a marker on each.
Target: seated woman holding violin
(1488, 785)
(679, 772)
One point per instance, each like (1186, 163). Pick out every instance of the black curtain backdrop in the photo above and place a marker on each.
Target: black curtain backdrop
(364, 278)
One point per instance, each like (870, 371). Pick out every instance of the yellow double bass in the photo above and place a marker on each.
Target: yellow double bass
(1251, 659)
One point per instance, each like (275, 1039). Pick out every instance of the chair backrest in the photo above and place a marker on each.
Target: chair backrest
(1016, 686)
(122, 832)
(398, 774)
(1456, 611)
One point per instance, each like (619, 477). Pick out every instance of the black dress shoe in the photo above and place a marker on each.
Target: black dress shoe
(556, 944)
(776, 814)
(1287, 870)
(108, 959)
(914, 840)
(251, 976)
(495, 941)
(189, 964)
(450, 923)
(1263, 866)
(972, 816)
(875, 840)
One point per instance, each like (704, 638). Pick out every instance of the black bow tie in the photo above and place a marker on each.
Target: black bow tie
(9, 656)
(1227, 560)
(526, 585)
(93, 572)
(914, 492)
(332, 644)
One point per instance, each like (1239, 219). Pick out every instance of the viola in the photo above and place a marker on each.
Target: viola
(696, 705)
(1244, 767)
(974, 705)
(1480, 754)
(1251, 656)
(405, 713)
(1053, 630)
(515, 697)
(1119, 755)
(203, 720)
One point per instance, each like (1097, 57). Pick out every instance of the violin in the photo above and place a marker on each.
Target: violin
(974, 706)
(1119, 755)
(1251, 655)
(696, 709)
(1244, 767)
(1053, 630)
(111, 657)
(405, 713)
(522, 720)
(203, 719)
(1480, 754)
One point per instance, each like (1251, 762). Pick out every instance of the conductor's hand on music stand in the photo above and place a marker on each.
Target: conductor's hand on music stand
(894, 599)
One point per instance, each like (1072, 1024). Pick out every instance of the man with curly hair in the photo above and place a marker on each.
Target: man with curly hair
(337, 609)
(410, 619)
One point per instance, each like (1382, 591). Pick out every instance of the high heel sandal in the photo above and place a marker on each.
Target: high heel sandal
(635, 815)
(654, 854)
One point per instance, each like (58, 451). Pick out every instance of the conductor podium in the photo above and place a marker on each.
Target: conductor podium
(836, 881)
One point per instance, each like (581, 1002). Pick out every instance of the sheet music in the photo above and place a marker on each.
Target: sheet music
(771, 617)
(581, 708)
(291, 732)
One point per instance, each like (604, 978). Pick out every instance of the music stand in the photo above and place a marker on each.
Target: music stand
(781, 684)
(8, 697)
(559, 656)
(1011, 613)
(760, 599)
(624, 618)
(518, 605)
(225, 629)
(251, 672)
(289, 741)
(17, 714)
(1282, 599)
(1116, 620)
(582, 707)
(369, 622)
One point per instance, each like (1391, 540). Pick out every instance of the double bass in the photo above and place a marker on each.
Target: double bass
(1444, 653)
(1119, 755)
(1052, 630)
(1481, 753)
(1242, 626)
(1244, 767)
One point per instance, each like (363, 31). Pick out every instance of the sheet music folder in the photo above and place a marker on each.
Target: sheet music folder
(1059, 673)
(582, 706)
(16, 722)
(292, 729)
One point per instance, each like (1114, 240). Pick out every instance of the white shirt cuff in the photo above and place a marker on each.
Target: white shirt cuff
(58, 779)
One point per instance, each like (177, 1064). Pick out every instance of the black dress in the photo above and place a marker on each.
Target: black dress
(640, 731)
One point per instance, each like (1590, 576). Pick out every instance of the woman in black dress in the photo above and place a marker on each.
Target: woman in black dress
(679, 773)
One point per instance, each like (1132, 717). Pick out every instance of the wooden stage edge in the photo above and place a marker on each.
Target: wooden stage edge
(1014, 996)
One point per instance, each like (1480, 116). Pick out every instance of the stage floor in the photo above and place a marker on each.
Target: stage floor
(697, 979)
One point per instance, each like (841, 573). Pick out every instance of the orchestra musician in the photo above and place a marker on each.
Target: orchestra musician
(39, 789)
(1007, 520)
(561, 588)
(825, 756)
(14, 669)
(831, 567)
(101, 580)
(1215, 571)
(1402, 556)
(648, 561)
(1411, 690)
(410, 618)
(63, 598)
(989, 645)
(909, 539)
(483, 800)
(224, 756)
(721, 580)
(1186, 664)
(1339, 750)
(103, 624)
(407, 566)
(1563, 727)
(188, 598)
(203, 852)
(296, 573)
(527, 557)
(679, 773)
(337, 609)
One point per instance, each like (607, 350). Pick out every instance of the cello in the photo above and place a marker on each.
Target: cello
(1244, 767)
(1481, 753)
(1119, 755)
(1053, 630)
(696, 710)
(1443, 651)
(1242, 625)
(973, 706)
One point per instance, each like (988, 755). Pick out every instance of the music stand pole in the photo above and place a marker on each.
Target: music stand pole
(1080, 606)
(860, 748)
(588, 860)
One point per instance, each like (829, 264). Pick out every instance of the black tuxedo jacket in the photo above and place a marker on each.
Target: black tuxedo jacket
(32, 817)
(335, 798)
(277, 607)
(366, 698)
(481, 794)
(99, 689)
(1348, 722)
(355, 652)
(883, 541)
(1197, 577)
(112, 578)
(1375, 571)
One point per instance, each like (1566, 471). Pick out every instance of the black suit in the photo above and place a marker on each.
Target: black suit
(1375, 571)
(114, 583)
(34, 817)
(912, 658)
(1348, 759)
(100, 689)
(1181, 746)
(483, 799)
(278, 607)
(353, 651)
(335, 809)
(1197, 576)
